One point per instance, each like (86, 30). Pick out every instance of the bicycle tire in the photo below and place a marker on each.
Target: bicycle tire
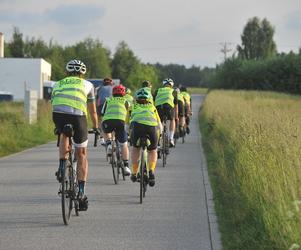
(75, 190)
(66, 198)
(114, 166)
(141, 171)
(165, 148)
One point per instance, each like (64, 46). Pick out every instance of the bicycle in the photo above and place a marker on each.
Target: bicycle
(115, 159)
(143, 177)
(68, 178)
(164, 150)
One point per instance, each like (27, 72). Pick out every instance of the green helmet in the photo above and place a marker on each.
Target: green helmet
(143, 94)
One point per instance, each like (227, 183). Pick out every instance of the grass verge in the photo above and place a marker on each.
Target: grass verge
(253, 147)
(17, 134)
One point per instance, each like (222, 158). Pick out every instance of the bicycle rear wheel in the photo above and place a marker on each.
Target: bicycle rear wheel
(114, 168)
(141, 172)
(164, 149)
(66, 197)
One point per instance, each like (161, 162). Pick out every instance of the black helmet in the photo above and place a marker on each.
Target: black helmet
(146, 83)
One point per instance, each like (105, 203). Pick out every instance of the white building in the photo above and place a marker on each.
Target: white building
(18, 74)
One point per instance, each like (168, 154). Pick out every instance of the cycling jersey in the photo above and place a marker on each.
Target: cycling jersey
(102, 94)
(165, 95)
(187, 98)
(71, 94)
(115, 108)
(145, 114)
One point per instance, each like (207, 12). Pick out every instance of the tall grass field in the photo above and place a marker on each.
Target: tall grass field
(252, 141)
(15, 132)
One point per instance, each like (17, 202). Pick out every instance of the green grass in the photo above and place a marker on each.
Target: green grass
(253, 146)
(17, 134)
(196, 90)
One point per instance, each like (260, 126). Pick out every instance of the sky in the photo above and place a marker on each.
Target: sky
(190, 32)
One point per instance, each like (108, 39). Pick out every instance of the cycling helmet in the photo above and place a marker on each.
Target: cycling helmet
(119, 90)
(183, 89)
(142, 94)
(76, 66)
(168, 81)
(146, 83)
(128, 91)
(177, 90)
(108, 81)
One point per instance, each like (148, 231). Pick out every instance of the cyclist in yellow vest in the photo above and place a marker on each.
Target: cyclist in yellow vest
(72, 97)
(128, 96)
(166, 102)
(181, 111)
(144, 121)
(188, 112)
(114, 116)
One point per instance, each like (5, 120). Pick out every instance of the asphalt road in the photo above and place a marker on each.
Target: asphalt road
(176, 214)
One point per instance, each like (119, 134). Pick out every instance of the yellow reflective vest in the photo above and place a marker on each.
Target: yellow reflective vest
(70, 91)
(115, 109)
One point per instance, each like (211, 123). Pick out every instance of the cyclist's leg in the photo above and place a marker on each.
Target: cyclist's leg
(170, 113)
(107, 128)
(121, 136)
(135, 150)
(152, 153)
(81, 142)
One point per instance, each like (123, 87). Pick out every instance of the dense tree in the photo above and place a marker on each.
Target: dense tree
(16, 46)
(257, 40)
(141, 73)
(124, 62)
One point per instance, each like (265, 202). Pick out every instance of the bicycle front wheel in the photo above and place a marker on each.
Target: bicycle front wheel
(66, 197)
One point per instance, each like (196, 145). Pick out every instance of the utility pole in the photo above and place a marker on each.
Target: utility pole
(225, 49)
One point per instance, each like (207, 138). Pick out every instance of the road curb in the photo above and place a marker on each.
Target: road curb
(215, 236)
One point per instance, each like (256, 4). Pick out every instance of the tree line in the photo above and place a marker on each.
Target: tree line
(257, 65)
(123, 64)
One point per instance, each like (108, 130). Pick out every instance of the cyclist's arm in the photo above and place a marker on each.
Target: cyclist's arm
(93, 115)
(91, 103)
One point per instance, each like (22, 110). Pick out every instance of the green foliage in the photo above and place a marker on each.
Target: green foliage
(281, 73)
(16, 46)
(257, 40)
(124, 62)
(141, 73)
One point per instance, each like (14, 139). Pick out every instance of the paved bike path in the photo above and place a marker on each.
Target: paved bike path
(176, 214)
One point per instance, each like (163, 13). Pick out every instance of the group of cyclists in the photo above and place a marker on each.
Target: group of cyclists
(115, 112)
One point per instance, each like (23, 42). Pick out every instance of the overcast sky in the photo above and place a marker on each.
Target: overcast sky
(189, 32)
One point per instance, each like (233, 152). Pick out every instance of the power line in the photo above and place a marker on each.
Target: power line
(225, 49)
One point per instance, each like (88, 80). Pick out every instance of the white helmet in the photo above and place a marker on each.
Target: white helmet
(168, 81)
(76, 66)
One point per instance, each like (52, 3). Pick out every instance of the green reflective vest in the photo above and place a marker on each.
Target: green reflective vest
(181, 97)
(164, 95)
(144, 114)
(130, 99)
(70, 91)
(115, 109)
(186, 98)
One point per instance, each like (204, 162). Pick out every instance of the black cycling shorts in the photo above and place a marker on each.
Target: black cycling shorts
(181, 110)
(166, 110)
(140, 130)
(116, 125)
(79, 123)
